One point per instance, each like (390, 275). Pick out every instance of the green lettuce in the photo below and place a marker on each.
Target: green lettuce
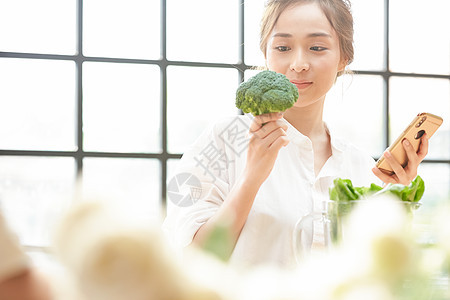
(343, 190)
(346, 196)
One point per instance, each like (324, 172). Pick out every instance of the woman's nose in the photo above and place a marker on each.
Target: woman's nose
(299, 62)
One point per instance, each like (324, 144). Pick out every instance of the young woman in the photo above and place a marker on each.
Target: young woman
(291, 158)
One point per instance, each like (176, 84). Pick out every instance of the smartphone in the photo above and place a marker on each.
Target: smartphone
(422, 123)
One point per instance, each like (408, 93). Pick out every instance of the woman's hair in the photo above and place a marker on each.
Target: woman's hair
(337, 12)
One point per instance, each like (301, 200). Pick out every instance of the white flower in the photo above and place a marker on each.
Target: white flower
(113, 258)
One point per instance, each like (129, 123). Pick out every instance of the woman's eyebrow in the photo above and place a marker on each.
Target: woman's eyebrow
(320, 34)
(281, 34)
(310, 35)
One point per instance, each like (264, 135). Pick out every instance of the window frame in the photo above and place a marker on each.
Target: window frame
(163, 63)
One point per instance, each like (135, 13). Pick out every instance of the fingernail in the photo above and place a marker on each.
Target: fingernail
(387, 154)
(406, 142)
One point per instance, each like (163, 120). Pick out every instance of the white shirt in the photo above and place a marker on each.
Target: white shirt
(211, 166)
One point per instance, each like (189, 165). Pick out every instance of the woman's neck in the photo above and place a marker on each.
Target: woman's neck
(307, 120)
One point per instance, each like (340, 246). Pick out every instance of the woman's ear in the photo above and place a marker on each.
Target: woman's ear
(342, 64)
(341, 67)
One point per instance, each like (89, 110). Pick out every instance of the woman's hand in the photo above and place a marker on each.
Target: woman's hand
(407, 174)
(268, 135)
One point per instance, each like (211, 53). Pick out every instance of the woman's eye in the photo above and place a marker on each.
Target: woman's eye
(282, 48)
(318, 48)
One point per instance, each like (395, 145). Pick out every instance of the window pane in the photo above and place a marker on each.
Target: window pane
(121, 107)
(172, 165)
(250, 73)
(129, 29)
(410, 96)
(202, 30)
(419, 36)
(45, 26)
(34, 192)
(369, 35)
(354, 110)
(435, 198)
(196, 98)
(132, 182)
(253, 14)
(437, 185)
(37, 104)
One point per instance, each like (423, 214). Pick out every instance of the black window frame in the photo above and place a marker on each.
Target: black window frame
(163, 63)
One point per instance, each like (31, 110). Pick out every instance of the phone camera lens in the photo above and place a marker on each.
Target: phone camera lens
(421, 122)
(419, 134)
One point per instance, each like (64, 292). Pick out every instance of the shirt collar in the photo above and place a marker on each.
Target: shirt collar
(295, 136)
(336, 143)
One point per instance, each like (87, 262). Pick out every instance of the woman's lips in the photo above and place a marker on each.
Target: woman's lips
(302, 84)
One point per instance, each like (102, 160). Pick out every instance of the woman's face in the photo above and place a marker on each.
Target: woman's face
(304, 47)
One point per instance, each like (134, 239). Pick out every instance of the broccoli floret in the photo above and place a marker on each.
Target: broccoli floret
(266, 92)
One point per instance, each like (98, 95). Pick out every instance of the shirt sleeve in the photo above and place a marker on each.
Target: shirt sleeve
(197, 189)
(13, 259)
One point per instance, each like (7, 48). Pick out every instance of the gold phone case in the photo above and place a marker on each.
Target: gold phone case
(422, 123)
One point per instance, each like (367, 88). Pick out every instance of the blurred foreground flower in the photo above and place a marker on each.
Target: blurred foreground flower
(379, 234)
(112, 258)
(442, 231)
(377, 258)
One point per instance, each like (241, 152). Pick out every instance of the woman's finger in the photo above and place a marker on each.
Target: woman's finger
(398, 169)
(269, 128)
(273, 136)
(413, 159)
(279, 142)
(385, 177)
(423, 147)
(260, 120)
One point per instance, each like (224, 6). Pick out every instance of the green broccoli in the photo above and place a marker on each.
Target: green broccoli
(266, 92)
